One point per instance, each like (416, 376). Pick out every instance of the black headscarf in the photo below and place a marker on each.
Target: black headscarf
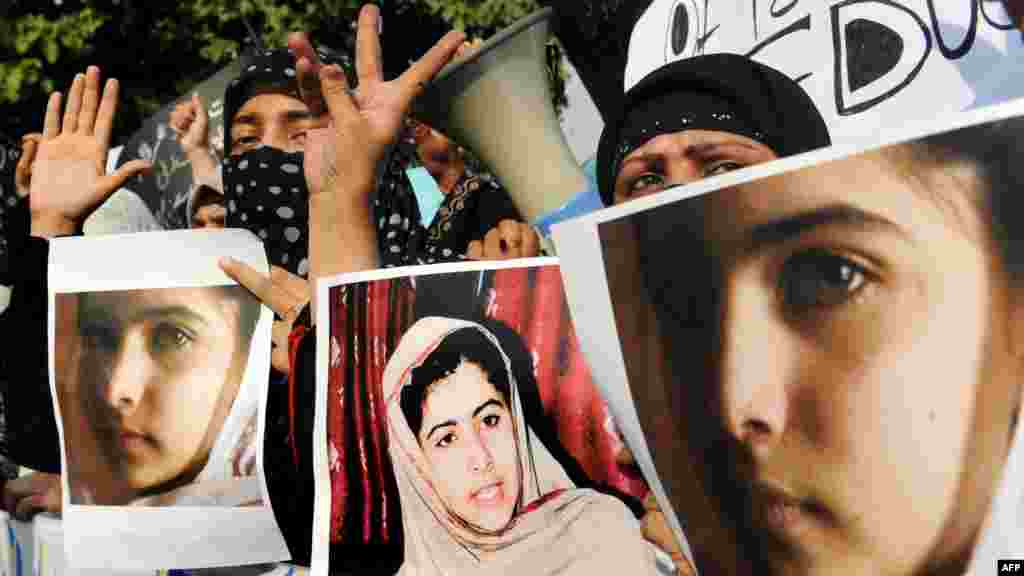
(723, 92)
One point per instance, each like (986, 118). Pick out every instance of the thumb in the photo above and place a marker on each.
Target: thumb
(202, 118)
(111, 182)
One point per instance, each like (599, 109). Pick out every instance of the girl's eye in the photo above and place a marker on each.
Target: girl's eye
(645, 181)
(721, 168)
(99, 337)
(491, 420)
(818, 278)
(168, 339)
(446, 440)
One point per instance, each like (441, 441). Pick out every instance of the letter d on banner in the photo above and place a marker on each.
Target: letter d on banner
(880, 47)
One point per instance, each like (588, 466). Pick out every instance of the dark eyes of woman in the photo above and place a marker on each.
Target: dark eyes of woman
(652, 179)
(819, 278)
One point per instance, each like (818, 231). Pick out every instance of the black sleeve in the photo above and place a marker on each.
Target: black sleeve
(290, 482)
(493, 204)
(31, 430)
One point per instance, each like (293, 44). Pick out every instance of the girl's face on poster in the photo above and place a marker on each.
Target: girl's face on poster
(469, 440)
(863, 374)
(683, 158)
(159, 372)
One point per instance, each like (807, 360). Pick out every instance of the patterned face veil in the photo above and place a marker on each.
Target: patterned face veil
(265, 188)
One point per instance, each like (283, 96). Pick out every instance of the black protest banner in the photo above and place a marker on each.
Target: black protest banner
(165, 191)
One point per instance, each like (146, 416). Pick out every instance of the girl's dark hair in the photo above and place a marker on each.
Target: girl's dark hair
(463, 345)
(996, 152)
(248, 311)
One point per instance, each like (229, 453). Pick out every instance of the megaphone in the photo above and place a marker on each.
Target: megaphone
(497, 103)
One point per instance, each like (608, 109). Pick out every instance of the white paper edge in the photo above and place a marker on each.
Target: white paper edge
(590, 305)
(236, 549)
(319, 564)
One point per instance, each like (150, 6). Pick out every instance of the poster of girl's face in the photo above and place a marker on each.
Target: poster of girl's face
(159, 368)
(459, 414)
(840, 345)
(156, 375)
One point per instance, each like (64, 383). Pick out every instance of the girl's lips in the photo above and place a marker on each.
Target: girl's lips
(785, 515)
(488, 494)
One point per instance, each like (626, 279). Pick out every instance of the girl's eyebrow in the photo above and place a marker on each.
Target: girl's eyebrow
(476, 412)
(794, 226)
(164, 312)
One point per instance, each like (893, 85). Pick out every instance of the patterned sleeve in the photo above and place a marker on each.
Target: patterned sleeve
(401, 236)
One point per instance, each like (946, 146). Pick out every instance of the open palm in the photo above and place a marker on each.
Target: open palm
(68, 177)
(367, 119)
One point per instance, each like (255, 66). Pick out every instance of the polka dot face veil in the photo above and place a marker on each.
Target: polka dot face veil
(265, 190)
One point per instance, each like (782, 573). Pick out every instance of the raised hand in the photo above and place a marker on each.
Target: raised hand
(190, 124)
(508, 240)
(23, 497)
(69, 179)
(363, 122)
(23, 171)
(283, 292)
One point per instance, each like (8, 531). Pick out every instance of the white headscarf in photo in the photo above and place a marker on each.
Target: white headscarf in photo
(574, 531)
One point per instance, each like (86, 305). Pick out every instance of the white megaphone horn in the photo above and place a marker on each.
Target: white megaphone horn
(497, 102)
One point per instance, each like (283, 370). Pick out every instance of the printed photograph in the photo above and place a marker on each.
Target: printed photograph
(464, 433)
(149, 384)
(828, 362)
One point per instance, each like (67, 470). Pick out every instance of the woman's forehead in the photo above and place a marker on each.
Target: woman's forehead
(204, 303)
(685, 139)
(270, 101)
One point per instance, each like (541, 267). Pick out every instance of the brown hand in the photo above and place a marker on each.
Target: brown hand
(68, 179)
(36, 492)
(369, 119)
(190, 124)
(23, 171)
(508, 240)
(283, 292)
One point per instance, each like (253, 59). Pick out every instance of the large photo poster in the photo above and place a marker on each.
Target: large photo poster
(822, 352)
(461, 432)
(159, 369)
(865, 63)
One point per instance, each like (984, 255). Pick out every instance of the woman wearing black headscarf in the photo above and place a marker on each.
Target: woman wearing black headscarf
(703, 116)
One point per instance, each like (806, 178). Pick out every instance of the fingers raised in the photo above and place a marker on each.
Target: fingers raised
(261, 286)
(90, 101)
(105, 115)
(200, 117)
(420, 73)
(307, 67)
(51, 123)
(531, 242)
(74, 105)
(334, 87)
(297, 286)
(368, 59)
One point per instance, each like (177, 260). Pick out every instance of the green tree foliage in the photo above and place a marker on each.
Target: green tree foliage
(159, 50)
